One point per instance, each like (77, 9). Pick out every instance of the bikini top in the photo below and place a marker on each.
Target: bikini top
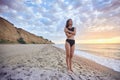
(71, 29)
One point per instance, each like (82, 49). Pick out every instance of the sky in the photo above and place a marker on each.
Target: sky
(96, 21)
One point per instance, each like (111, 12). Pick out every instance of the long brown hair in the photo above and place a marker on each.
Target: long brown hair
(67, 23)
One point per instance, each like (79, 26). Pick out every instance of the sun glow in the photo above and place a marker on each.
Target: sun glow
(99, 41)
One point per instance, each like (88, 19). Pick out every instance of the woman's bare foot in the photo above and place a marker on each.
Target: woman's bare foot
(70, 71)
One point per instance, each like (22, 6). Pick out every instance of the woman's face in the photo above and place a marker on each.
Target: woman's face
(70, 22)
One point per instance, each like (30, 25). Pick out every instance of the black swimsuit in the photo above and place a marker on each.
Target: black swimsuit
(71, 41)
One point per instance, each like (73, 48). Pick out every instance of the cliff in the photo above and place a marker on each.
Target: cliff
(11, 34)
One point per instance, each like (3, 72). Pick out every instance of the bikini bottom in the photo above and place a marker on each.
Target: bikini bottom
(71, 42)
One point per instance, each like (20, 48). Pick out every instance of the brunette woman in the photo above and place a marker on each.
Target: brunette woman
(70, 43)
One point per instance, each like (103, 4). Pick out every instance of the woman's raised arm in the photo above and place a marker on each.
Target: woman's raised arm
(67, 33)
(71, 32)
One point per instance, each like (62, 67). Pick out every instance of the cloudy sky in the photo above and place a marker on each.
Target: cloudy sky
(96, 21)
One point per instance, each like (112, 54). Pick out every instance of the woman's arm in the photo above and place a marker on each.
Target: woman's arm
(67, 33)
(71, 32)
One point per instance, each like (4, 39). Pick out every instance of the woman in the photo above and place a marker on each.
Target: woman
(70, 43)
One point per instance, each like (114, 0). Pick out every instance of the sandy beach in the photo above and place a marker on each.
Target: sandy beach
(47, 62)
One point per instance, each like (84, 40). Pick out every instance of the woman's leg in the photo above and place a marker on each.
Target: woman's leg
(71, 56)
(67, 47)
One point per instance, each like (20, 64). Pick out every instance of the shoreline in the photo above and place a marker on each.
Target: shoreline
(46, 61)
(94, 65)
(107, 62)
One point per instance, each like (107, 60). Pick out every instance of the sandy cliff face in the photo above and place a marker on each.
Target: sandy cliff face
(11, 34)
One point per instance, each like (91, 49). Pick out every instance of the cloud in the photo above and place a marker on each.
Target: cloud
(6, 5)
(43, 17)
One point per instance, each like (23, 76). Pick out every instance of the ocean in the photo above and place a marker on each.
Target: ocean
(105, 54)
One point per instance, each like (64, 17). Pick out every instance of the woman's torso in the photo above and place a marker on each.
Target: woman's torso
(71, 37)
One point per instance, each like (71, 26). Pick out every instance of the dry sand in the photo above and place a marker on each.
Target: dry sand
(46, 62)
